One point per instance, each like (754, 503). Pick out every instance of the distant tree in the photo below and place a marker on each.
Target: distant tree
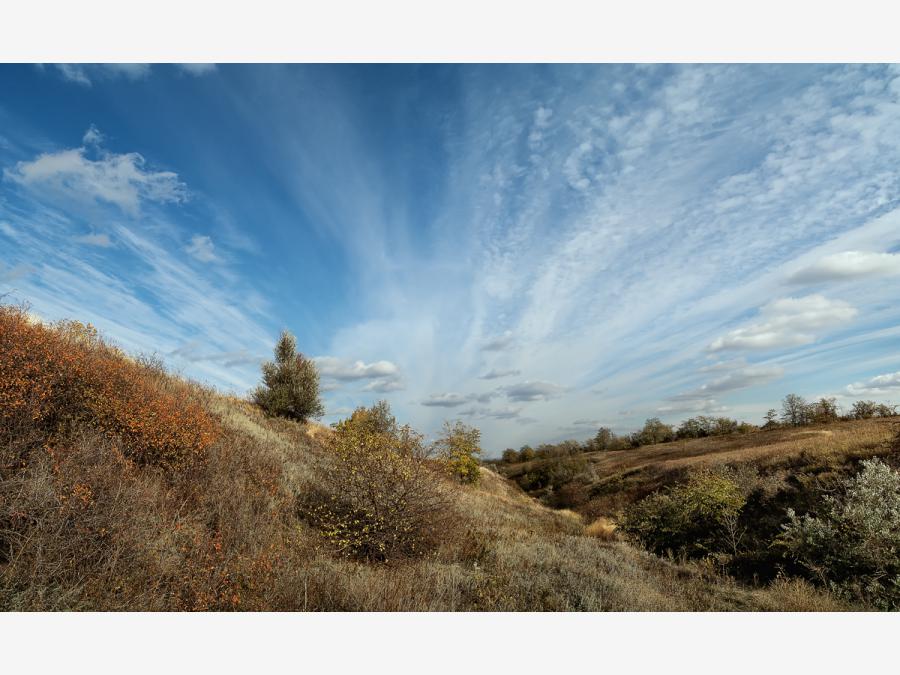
(863, 410)
(290, 386)
(771, 418)
(794, 410)
(885, 410)
(824, 411)
(723, 426)
(691, 428)
(510, 456)
(459, 447)
(655, 431)
(526, 453)
(603, 439)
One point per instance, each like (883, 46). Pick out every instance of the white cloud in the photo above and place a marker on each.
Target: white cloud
(850, 265)
(385, 385)
(202, 248)
(73, 73)
(92, 136)
(101, 240)
(787, 322)
(85, 73)
(495, 374)
(7, 229)
(484, 413)
(341, 369)
(532, 390)
(122, 180)
(880, 385)
(197, 69)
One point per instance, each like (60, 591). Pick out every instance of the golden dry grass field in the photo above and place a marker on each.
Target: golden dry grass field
(125, 488)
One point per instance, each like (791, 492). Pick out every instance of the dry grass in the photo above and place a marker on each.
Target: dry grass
(603, 529)
(614, 479)
(84, 526)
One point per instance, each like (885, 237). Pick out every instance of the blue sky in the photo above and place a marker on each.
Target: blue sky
(539, 250)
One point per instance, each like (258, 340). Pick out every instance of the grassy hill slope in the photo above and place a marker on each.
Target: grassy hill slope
(123, 487)
(602, 483)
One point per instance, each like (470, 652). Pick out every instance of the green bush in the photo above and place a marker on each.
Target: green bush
(693, 519)
(290, 385)
(853, 544)
(380, 497)
(459, 449)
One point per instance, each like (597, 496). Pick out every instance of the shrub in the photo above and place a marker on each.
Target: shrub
(290, 386)
(381, 498)
(852, 544)
(459, 449)
(54, 377)
(510, 456)
(695, 519)
(655, 431)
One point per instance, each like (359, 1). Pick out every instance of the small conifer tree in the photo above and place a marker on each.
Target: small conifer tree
(290, 386)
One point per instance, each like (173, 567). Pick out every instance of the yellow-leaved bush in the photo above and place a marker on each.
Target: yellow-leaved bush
(381, 497)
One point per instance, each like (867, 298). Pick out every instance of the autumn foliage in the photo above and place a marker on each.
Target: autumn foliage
(382, 498)
(53, 377)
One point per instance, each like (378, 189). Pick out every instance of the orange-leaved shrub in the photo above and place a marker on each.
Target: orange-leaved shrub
(53, 377)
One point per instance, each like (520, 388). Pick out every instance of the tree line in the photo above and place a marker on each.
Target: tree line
(795, 411)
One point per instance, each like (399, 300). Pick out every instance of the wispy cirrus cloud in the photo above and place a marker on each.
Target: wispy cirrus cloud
(594, 227)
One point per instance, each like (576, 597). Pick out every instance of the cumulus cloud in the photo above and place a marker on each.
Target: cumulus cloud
(483, 412)
(342, 369)
(532, 390)
(445, 400)
(202, 248)
(849, 265)
(119, 179)
(787, 322)
(384, 386)
(495, 374)
(880, 385)
(383, 376)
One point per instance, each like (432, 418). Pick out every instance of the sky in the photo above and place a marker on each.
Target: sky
(536, 250)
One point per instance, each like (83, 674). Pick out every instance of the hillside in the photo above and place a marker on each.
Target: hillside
(123, 487)
(602, 483)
